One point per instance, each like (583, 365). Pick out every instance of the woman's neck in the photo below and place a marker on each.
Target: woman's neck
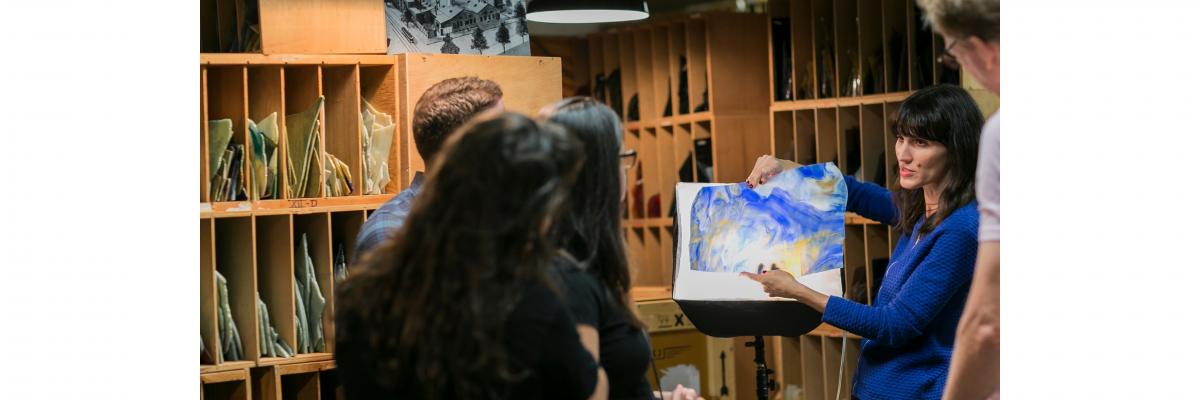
(933, 194)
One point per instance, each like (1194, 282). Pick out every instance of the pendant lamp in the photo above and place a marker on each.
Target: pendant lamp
(586, 11)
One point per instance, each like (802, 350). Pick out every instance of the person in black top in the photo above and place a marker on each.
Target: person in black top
(459, 304)
(595, 271)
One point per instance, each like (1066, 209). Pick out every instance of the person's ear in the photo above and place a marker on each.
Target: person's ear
(986, 53)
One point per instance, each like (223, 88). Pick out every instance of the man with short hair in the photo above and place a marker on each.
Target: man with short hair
(439, 112)
(972, 32)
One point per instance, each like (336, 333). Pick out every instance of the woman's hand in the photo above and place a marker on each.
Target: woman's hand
(766, 168)
(679, 393)
(779, 283)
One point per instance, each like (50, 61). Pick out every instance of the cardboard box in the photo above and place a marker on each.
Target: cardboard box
(684, 355)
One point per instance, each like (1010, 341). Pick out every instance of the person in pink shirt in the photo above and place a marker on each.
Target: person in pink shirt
(972, 32)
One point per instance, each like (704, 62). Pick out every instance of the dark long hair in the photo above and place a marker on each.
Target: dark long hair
(945, 114)
(428, 308)
(591, 229)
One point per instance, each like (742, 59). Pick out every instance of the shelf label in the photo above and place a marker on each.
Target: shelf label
(302, 203)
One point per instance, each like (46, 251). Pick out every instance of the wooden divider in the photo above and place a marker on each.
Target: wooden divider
(204, 173)
(208, 290)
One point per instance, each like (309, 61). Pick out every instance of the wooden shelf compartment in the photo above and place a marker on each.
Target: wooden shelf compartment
(831, 355)
(884, 43)
(870, 45)
(671, 159)
(379, 85)
(224, 95)
(234, 384)
(849, 140)
(276, 276)
(651, 179)
(896, 45)
(643, 82)
(629, 70)
(847, 60)
(827, 135)
(889, 140)
(342, 121)
(316, 229)
(854, 283)
(676, 54)
(264, 90)
(235, 260)
(824, 48)
(208, 291)
(922, 45)
(635, 241)
(879, 252)
(699, 63)
(873, 141)
(302, 88)
(650, 262)
(663, 83)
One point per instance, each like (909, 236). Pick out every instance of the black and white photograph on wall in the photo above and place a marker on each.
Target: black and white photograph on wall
(485, 27)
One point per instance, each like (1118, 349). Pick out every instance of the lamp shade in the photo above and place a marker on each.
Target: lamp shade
(586, 11)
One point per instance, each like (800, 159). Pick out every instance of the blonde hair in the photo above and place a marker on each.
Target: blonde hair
(964, 18)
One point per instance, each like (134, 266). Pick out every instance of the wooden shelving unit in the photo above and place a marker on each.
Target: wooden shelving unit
(718, 49)
(252, 243)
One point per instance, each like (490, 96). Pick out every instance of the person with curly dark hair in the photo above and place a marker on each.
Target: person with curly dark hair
(459, 304)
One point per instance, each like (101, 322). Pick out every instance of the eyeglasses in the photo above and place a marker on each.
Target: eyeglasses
(947, 58)
(628, 158)
(951, 46)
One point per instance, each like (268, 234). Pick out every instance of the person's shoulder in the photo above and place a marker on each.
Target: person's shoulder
(964, 219)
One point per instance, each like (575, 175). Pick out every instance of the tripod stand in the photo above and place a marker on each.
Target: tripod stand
(763, 383)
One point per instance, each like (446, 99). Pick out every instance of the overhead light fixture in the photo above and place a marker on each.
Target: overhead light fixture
(586, 11)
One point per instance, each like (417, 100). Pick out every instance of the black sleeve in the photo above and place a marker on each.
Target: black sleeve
(583, 295)
(569, 368)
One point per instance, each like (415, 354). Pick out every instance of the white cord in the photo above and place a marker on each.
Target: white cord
(841, 366)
